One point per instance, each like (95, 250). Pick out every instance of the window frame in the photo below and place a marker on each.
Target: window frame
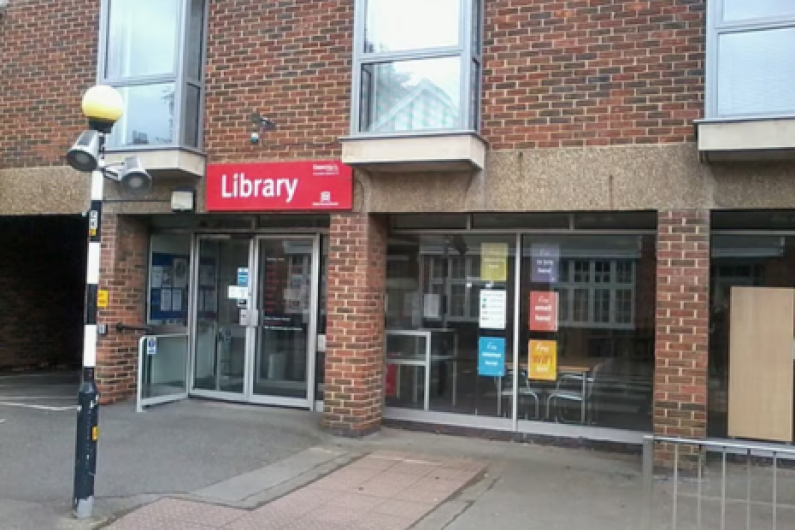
(717, 27)
(179, 77)
(468, 52)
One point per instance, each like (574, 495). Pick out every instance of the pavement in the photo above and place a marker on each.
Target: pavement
(199, 465)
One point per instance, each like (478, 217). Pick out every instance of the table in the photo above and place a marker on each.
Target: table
(572, 366)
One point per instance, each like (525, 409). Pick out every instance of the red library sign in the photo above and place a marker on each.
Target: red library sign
(543, 311)
(279, 186)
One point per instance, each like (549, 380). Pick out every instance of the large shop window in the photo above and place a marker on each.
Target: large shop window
(417, 66)
(585, 327)
(750, 64)
(152, 51)
(752, 336)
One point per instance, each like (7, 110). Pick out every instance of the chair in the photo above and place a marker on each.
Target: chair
(505, 386)
(576, 395)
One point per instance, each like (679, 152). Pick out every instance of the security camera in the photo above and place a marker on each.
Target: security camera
(254, 138)
(84, 154)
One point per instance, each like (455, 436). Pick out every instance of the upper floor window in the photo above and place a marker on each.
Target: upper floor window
(751, 66)
(417, 66)
(152, 51)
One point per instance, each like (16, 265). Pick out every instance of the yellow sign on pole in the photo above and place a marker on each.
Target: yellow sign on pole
(542, 360)
(493, 262)
(102, 298)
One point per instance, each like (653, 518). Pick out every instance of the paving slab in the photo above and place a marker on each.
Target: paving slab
(384, 490)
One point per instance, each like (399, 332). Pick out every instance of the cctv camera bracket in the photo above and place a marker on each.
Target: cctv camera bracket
(261, 123)
(112, 171)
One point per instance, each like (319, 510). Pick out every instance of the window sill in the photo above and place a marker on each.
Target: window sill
(746, 139)
(452, 151)
(165, 162)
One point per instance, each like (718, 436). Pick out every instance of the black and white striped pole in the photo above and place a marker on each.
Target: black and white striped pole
(103, 106)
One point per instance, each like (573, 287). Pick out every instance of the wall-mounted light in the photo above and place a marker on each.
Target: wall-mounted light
(183, 200)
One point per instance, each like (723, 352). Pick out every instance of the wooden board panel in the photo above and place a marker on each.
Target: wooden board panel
(761, 363)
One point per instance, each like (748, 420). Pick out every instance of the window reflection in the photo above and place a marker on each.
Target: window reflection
(744, 10)
(759, 261)
(400, 25)
(586, 327)
(142, 39)
(411, 95)
(434, 299)
(148, 117)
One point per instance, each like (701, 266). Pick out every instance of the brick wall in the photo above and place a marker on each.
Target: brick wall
(123, 269)
(594, 72)
(289, 60)
(42, 289)
(355, 324)
(680, 386)
(47, 60)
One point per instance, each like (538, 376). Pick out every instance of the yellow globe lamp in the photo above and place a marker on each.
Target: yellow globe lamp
(103, 106)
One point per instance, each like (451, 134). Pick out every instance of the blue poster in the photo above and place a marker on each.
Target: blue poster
(491, 357)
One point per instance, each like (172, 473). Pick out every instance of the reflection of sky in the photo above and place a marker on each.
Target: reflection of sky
(745, 9)
(142, 37)
(142, 43)
(398, 25)
(147, 117)
(757, 72)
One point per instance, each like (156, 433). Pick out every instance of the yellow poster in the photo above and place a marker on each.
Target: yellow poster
(493, 262)
(542, 360)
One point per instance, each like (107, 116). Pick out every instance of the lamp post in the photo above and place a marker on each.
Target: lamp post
(103, 106)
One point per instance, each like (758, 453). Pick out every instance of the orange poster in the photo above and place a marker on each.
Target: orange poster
(542, 360)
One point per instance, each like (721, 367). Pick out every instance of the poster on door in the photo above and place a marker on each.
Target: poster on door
(492, 309)
(493, 262)
(543, 311)
(542, 360)
(545, 263)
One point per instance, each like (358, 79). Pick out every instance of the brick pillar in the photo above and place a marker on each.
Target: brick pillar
(680, 378)
(123, 273)
(355, 325)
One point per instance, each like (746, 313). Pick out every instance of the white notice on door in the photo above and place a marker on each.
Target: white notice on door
(492, 309)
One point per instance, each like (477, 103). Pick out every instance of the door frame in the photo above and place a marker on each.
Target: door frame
(251, 331)
(311, 341)
(238, 397)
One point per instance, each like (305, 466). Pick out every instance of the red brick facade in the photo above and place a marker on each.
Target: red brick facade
(292, 63)
(680, 386)
(555, 75)
(355, 324)
(47, 60)
(592, 73)
(125, 241)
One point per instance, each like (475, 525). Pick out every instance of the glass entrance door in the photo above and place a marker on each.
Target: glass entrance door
(221, 333)
(256, 319)
(286, 301)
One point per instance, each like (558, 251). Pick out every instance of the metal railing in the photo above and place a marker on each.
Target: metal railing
(713, 484)
(162, 369)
